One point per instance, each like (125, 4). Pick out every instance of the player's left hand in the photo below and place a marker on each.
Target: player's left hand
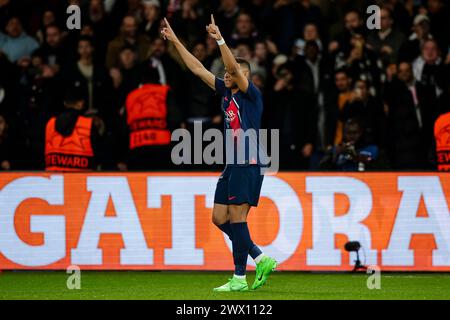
(168, 33)
(213, 30)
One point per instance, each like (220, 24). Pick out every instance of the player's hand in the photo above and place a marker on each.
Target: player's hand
(213, 30)
(168, 33)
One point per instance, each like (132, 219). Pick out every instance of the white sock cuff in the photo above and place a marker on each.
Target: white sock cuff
(259, 258)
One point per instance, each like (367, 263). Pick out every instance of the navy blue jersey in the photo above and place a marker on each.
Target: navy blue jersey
(242, 110)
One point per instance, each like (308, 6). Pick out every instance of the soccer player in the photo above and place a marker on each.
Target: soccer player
(239, 185)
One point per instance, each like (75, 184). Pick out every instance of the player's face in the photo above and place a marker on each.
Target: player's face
(228, 79)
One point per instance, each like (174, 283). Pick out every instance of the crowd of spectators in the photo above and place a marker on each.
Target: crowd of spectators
(344, 97)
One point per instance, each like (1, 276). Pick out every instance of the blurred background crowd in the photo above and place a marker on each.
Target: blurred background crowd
(343, 97)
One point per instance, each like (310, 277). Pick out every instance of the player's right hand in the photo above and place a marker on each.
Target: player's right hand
(213, 30)
(167, 32)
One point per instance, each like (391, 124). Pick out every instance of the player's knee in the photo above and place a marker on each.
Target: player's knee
(236, 217)
(218, 220)
(238, 213)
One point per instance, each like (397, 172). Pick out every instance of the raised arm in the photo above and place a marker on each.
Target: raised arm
(229, 61)
(191, 62)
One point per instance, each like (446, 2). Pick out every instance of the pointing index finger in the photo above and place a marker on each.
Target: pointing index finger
(212, 19)
(167, 23)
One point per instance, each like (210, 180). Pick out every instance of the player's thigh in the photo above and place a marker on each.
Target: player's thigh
(220, 214)
(222, 186)
(244, 185)
(238, 213)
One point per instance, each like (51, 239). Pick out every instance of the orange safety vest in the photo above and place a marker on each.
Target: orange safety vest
(147, 116)
(442, 137)
(71, 153)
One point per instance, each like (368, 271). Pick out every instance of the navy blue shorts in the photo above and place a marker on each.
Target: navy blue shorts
(239, 185)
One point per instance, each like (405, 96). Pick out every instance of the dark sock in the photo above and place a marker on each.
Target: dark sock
(254, 249)
(226, 229)
(241, 246)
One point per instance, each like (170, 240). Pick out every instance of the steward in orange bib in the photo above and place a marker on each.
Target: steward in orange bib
(69, 138)
(442, 138)
(151, 114)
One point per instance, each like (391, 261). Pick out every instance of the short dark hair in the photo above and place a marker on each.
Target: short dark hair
(53, 25)
(87, 39)
(343, 70)
(242, 61)
(357, 12)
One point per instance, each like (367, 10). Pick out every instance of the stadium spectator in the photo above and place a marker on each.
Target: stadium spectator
(411, 49)
(129, 35)
(245, 30)
(307, 13)
(401, 14)
(310, 33)
(16, 43)
(54, 52)
(100, 23)
(259, 10)
(294, 116)
(411, 114)
(201, 102)
(190, 21)
(367, 110)
(388, 40)
(226, 16)
(127, 76)
(283, 29)
(428, 68)
(150, 24)
(48, 18)
(353, 23)
(263, 56)
(439, 13)
(361, 62)
(343, 84)
(92, 79)
(315, 74)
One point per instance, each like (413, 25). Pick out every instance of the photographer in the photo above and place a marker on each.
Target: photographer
(353, 154)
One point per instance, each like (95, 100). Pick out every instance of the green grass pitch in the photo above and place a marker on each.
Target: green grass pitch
(198, 286)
